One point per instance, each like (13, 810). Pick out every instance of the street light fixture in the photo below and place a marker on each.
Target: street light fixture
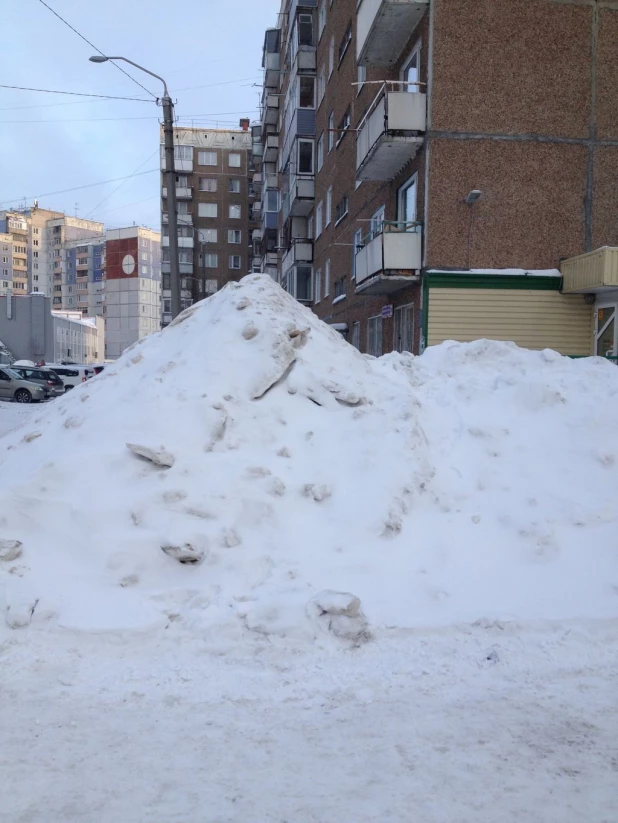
(170, 173)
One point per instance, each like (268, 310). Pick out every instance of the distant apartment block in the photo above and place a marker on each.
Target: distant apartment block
(214, 213)
(132, 268)
(433, 166)
(6, 263)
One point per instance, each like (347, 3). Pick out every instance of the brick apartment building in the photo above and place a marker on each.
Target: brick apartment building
(214, 212)
(434, 163)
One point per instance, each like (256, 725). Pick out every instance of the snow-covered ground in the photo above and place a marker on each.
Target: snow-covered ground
(398, 598)
(13, 415)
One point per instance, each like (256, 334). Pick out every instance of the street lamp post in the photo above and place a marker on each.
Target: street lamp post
(170, 174)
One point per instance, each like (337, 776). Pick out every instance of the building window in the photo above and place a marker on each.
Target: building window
(235, 212)
(234, 160)
(306, 92)
(310, 228)
(207, 209)
(207, 158)
(411, 70)
(340, 288)
(321, 85)
(341, 210)
(320, 151)
(271, 202)
(376, 224)
(329, 205)
(406, 201)
(35, 231)
(234, 236)
(208, 184)
(35, 242)
(331, 130)
(327, 278)
(305, 157)
(344, 125)
(357, 245)
(234, 261)
(318, 219)
(321, 18)
(204, 236)
(318, 285)
(209, 261)
(345, 42)
(331, 56)
(374, 336)
(361, 77)
(234, 186)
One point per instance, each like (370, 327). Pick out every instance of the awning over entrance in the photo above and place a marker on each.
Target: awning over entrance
(595, 272)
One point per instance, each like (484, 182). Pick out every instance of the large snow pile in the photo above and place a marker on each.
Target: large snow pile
(247, 471)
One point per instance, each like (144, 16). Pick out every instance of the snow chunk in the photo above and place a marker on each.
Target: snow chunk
(10, 550)
(159, 457)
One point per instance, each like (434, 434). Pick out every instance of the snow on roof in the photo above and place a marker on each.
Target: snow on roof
(252, 473)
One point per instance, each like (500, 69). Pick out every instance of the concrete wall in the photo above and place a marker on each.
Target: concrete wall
(32, 332)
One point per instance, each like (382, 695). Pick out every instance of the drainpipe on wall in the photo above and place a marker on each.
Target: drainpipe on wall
(432, 7)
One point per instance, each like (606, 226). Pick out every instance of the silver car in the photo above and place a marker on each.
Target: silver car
(14, 387)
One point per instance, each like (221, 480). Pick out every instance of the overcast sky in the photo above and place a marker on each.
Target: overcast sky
(49, 142)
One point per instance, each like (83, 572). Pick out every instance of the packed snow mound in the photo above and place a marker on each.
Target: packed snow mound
(247, 471)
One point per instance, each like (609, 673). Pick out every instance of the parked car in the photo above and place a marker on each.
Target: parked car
(98, 368)
(71, 375)
(45, 377)
(14, 387)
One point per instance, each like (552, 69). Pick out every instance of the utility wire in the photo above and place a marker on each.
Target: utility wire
(123, 182)
(77, 93)
(96, 49)
(78, 188)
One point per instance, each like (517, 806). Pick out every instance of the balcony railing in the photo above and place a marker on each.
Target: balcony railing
(270, 220)
(391, 132)
(301, 251)
(183, 219)
(270, 108)
(271, 148)
(383, 27)
(390, 258)
(299, 201)
(183, 242)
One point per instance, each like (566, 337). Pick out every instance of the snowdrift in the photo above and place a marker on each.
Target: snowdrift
(247, 471)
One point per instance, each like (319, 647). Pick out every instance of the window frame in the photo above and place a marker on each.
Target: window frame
(234, 206)
(204, 152)
(234, 154)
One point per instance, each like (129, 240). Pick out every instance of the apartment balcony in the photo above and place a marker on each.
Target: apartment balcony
(390, 260)
(256, 235)
(299, 201)
(272, 69)
(270, 108)
(271, 181)
(593, 273)
(182, 219)
(302, 124)
(271, 148)
(257, 210)
(183, 242)
(179, 165)
(298, 281)
(270, 219)
(257, 178)
(390, 134)
(185, 268)
(182, 192)
(305, 61)
(300, 252)
(270, 259)
(383, 27)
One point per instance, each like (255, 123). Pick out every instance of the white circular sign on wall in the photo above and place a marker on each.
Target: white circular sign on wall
(128, 264)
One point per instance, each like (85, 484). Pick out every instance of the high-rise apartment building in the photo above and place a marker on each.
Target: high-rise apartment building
(435, 163)
(132, 266)
(14, 228)
(212, 191)
(71, 256)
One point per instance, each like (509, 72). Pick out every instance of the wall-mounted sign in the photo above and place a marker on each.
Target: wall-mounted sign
(387, 311)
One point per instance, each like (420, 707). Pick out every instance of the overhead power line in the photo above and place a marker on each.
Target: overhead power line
(123, 182)
(77, 93)
(77, 188)
(66, 23)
